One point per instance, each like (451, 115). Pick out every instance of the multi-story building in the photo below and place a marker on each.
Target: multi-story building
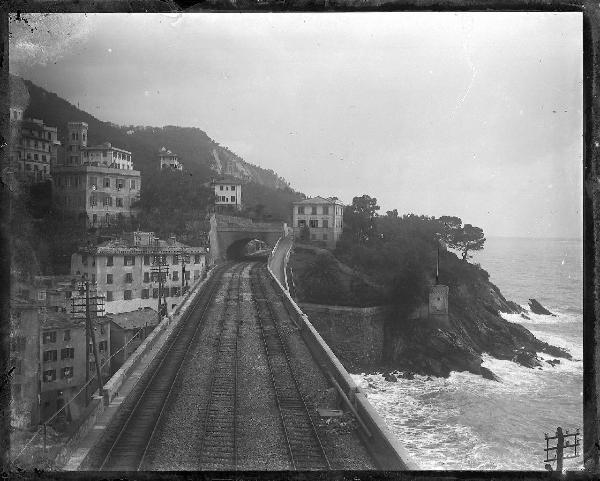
(228, 195)
(97, 182)
(33, 150)
(122, 270)
(49, 354)
(320, 218)
(169, 160)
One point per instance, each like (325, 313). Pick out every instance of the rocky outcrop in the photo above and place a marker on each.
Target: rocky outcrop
(537, 308)
(476, 327)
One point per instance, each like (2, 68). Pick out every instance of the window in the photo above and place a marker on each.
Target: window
(233, 187)
(67, 353)
(109, 261)
(107, 201)
(109, 296)
(120, 183)
(175, 275)
(300, 210)
(93, 277)
(109, 278)
(129, 277)
(220, 187)
(119, 202)
(146, 260)
(50, 356)
(325, 210)
(106, 182)
(314, 210)
(325, 223)
(102, 329)
(155, 293)
(146, 277)
(18, 343)
(314, 223)
(145, 293)
(67, 335)
(35, 157)
(93, 200)
(127, 295)
(197, 259)
(233, 198)
(175, 259)
(49, 337)
(102, 346)
(128, 260)
(301, 223)
(66, 372)
(50, 375)
(132, 185)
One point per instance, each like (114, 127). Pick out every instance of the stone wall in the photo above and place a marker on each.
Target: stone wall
(355, 334)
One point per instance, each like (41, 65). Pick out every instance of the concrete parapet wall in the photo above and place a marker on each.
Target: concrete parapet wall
(384, 447)
(355, 334)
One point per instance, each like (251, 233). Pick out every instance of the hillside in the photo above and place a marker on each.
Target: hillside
(396, 267)
(196, 150)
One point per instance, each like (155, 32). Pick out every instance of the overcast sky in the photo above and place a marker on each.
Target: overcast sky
(477, 115)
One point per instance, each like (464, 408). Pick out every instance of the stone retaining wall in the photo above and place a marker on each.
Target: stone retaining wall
(355, 334)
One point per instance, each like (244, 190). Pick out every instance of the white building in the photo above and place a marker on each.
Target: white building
(122, 270)
(320, 219)
(228, 195)
(169, 160)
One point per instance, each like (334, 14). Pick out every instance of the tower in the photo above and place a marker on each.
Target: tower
(76, 142)
(438, 297)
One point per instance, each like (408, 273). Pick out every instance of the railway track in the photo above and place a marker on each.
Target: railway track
(304, 446)
(218, 446)
(126, 441)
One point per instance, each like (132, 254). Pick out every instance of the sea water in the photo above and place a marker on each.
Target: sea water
(467, 422)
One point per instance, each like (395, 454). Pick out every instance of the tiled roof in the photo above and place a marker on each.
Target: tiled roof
(319, 200)
(136, 319)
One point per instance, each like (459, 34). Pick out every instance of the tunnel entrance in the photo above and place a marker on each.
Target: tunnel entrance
(247, 248)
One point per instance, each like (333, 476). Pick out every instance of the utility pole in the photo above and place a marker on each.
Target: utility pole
(559, 448)
(185, 258)
(159, 268)
(81, 305)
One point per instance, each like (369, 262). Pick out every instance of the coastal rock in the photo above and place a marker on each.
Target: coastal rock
(525, 316)
(553, 362)
(389, 377)
(408, 375)
(537, 308)
(487, 374)
(526, 358)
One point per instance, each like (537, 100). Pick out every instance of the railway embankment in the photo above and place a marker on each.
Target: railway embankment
(383, 446)
(75, 451)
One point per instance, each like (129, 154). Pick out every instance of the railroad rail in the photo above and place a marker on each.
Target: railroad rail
(218, 446)
(304, 446)
(125, 449)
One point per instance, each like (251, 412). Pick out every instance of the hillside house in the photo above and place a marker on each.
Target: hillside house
(320, 218)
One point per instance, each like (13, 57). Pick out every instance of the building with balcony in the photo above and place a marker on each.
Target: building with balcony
(318, 219)
(122, 270)
(169, 160)
(98, 183)
(228, 195)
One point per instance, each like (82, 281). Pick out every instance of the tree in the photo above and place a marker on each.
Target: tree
(359, 218)
(392, 213)
(462, 238)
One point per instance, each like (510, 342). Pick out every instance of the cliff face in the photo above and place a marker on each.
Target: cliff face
(475, 327)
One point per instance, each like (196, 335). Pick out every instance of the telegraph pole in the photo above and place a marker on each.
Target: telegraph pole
(185, 258)
(85, 304)
(157, 268)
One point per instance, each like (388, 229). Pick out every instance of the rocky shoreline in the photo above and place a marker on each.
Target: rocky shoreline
(475, 327)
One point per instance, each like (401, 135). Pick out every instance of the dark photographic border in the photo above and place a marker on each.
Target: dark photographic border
(591, 210)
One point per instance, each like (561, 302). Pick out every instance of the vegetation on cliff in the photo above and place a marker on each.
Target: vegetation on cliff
(396, 257)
